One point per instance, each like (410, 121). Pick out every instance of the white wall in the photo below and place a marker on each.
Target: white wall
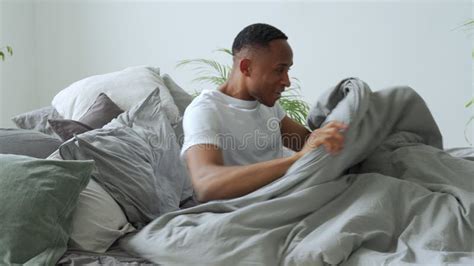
(391, 43)
(17, 73)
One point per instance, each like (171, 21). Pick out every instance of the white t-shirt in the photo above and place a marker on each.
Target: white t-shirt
(247, 132)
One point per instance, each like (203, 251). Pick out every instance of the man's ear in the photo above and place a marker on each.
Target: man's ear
(245, 67)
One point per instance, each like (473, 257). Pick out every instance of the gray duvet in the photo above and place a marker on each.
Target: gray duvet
(392, 196)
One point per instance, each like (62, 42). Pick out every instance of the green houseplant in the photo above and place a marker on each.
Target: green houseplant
(469, 25)
(215, 73)
(4, 51)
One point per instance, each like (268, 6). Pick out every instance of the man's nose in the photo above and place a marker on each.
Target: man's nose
(286, 80)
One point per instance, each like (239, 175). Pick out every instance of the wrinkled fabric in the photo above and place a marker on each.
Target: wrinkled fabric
(391, 196)
(113, 257)
(137, 161)
(37, 120)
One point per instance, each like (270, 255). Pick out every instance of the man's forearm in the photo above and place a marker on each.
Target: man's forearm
(226, 182)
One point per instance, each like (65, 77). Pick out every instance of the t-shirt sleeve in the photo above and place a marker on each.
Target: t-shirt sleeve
(280, 112)
(200, 126)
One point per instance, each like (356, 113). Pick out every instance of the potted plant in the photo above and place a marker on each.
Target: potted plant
(215, 73)
(5, 50)
(469, 25)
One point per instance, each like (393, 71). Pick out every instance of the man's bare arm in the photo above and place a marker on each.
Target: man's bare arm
(293, 134)
(212, 180)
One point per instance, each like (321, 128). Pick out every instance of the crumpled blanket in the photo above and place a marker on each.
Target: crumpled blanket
(391, 196)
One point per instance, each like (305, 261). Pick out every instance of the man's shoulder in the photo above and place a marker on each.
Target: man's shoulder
(204, 103)
(204, 98)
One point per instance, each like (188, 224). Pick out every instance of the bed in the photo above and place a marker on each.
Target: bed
(394, 196)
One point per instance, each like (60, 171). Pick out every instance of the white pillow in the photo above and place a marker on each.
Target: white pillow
(126, 88)
(98, 221)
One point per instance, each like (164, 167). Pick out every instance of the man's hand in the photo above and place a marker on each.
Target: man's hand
(330, 136)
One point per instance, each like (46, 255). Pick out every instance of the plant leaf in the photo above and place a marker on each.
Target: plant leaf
(466, 130)
(468, 23)
(296, 109)
(225, 50)
(471, 102)
(207, 67)
(211, 79)
(2, 56)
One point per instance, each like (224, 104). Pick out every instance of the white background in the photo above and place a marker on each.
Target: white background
(387, 43)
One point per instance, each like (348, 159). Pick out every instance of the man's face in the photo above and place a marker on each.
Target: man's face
(268, 76)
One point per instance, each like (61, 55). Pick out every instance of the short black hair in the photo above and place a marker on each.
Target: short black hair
(258, 34)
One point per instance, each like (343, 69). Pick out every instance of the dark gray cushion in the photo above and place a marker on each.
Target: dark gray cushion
(99, 113)
(137, 161)
(27, 142)
(37, 199)
(66, 128)
(37, 119)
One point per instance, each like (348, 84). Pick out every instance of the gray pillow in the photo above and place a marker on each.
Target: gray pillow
(37, 119)
(182, 99)
(67, 128)
(27, 142)
(99, 113)
(98, 221)
(37, 199)
(137, 161)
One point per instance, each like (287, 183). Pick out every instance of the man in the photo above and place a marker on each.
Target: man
(232, 146)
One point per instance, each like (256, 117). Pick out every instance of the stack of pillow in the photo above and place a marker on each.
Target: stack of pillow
(126, 128)
(102, 111)
(90, 102)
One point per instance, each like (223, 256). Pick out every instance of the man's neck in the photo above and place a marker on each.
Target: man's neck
(235, 90)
